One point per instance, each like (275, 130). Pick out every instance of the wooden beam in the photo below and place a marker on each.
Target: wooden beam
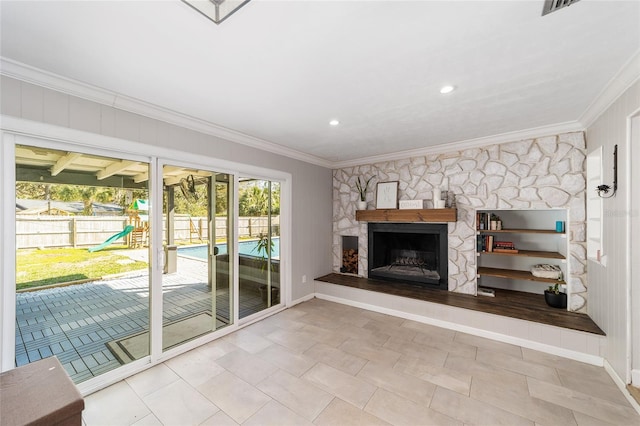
(63, 162)
(114, 168)
(142, 177)
(26, 173)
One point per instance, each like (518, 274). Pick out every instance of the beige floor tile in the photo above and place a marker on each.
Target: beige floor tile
(283, 323)
(250, 368)
(510, 380)
(445, 377)
(485, 343)
(406, 386)
(341, 413)
(321, 335)
(399, 411)
(323, 321)
(518, 365)
(262, 328)
(370, 352)
(298, 395)
(372, 337)
(179, 403)
(473, 412)
(117, 404)
(234, 396)
(417, 350)
(219, 419)
(392, 329)
(382, 318)
(336, 358)
(291, 339)
(582, 369)
(216, 349)
(248, 341)
(584, 420)
(276, 414)
(521, 404)
(608, 391)
(287, 360)
(149, 420)
(577, 401)
(430, 330)
(195, 367)
(353, 390)
(152, 379)
(444, 344)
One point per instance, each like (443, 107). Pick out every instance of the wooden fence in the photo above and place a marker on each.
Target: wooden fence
(80, 231)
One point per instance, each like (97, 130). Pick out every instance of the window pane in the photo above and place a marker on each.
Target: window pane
(82, 260)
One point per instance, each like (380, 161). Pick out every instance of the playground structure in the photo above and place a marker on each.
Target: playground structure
(126, 231)
(139, 220)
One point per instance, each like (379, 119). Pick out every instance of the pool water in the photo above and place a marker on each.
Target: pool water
(247, 248)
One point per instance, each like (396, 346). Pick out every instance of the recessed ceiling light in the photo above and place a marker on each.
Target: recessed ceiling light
(334, 122)
(447, 89)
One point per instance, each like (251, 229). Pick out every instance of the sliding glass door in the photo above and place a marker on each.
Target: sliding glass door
(259, 245)
(82, 259)
(197, 279)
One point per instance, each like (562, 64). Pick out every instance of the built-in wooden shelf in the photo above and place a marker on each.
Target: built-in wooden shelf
(529, 253)
(520, 231)
(408, 215)
(508, 303)
(515, 274)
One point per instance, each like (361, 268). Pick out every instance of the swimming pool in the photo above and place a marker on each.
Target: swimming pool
(247, 248)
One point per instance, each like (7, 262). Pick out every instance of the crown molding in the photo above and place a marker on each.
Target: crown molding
(66, 85)
(536, 132)
(627, 76)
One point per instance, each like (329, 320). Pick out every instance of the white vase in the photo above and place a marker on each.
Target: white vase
(362, 205)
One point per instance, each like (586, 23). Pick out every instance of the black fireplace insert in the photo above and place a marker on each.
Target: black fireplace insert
(415, 253)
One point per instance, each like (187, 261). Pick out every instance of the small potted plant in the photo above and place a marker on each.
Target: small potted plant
(363, 187)
(554, 297)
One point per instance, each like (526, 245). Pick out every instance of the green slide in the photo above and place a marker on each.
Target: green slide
(127, 229)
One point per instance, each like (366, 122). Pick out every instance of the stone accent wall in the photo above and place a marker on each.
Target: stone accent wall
(543, 173)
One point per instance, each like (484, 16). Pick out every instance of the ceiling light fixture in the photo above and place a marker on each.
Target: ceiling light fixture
(447, 89)
(334, 122)
(216, 10)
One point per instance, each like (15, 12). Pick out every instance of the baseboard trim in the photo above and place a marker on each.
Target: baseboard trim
(621, 385)
(301, 300)
(553, 350)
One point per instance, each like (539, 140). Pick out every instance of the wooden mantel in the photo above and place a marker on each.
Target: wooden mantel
(409, 215)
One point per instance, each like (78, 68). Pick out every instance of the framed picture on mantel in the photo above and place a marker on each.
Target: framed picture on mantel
(387, 195)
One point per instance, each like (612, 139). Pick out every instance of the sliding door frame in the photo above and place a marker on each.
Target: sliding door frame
(16, 131)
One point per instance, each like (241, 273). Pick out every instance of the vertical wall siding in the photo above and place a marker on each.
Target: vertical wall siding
(608, 284)
(312, 192)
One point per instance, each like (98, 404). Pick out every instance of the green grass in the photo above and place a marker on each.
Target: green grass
(36, 268)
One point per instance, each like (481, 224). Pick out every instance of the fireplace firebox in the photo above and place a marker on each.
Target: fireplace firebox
(415, 253)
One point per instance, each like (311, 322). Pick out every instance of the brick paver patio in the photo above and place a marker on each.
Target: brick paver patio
(76, 322)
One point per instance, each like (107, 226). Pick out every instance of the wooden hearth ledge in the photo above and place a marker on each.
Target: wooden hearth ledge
(409, 215)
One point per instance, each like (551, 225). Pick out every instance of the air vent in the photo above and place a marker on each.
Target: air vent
(553, 5)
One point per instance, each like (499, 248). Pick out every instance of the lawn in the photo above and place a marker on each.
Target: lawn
(37, 268)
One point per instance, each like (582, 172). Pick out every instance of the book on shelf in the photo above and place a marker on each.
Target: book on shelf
(485, 291)
(505, 250)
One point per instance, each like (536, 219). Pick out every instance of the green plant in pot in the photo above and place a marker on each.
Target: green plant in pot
(554, 297)
(264, 248)
(362, 186)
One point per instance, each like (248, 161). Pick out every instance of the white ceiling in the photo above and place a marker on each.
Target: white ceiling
(280, 70)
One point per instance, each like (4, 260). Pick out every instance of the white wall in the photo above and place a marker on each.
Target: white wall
(608, 285)
(311, 184)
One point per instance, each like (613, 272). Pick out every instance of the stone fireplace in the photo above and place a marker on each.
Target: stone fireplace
(409, 252)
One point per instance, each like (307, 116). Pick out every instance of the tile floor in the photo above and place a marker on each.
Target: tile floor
(324, 363)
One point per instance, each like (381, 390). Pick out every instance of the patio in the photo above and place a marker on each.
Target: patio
(76, 323)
